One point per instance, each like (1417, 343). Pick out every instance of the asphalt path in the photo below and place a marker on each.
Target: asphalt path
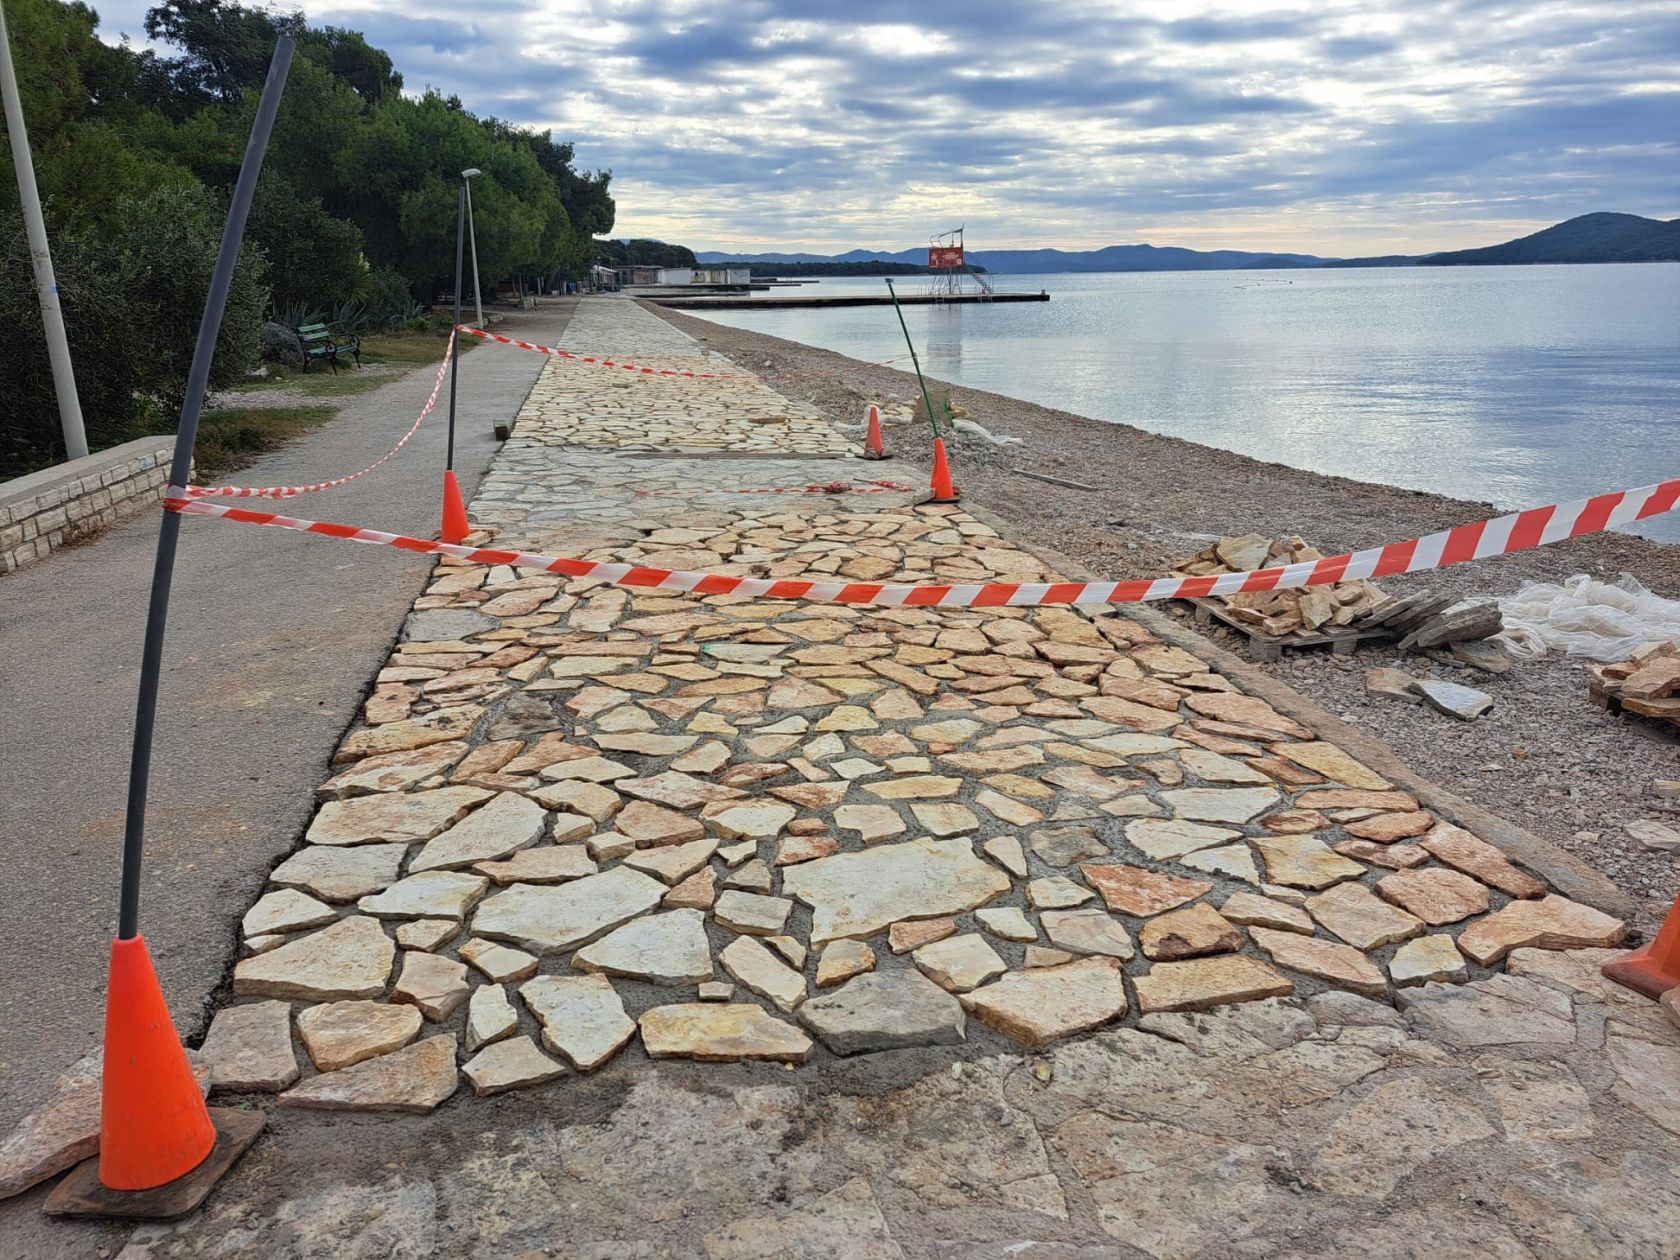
(274, 639)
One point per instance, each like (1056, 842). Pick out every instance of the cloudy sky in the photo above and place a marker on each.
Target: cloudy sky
(1335, 127)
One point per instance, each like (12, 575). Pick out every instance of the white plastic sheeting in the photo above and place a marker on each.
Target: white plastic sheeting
(1602, 621)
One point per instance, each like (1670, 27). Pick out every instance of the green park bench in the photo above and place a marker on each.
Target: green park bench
(320, 342)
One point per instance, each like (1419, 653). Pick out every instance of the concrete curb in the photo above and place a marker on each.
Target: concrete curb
(1562, 870)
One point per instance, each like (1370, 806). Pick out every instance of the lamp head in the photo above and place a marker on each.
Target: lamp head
(470, 172)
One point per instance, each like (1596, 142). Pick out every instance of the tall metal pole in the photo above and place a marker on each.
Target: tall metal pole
(46, 284)
(914, 361)
(472, 242)
(163, 569)
(455, 346)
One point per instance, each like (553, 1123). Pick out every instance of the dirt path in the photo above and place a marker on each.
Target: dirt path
(1544, 757)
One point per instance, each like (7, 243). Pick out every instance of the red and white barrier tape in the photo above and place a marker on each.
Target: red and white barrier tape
(1477, 540)
(599, 361)
(286, 492)
(833, 487)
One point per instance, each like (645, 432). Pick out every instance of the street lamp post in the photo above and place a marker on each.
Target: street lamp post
(478, 301)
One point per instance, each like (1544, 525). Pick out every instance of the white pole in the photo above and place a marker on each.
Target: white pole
(46, 285)
(478, 300)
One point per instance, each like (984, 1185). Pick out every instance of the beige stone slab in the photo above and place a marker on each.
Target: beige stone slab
(1364, 921)
(1199, 984)
(859, 894)
(721, 1033)
(1340, 965)
(1047, 1003)
(1553, 922)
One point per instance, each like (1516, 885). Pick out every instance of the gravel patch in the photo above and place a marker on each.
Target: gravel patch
(1545, 757)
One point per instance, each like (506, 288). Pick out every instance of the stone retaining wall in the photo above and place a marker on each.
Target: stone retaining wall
(45, 510)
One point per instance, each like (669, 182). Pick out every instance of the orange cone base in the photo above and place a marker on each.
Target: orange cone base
(454, 511)
(944, 490)
(874, 446)
(153, 1124)
(1655, 969)
(81, 1194)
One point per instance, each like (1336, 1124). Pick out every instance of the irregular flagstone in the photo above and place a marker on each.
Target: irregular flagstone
(754, 914)
(490, 1016)
(915, 787)
(349, 959)
(1234, 860)
(511, 1064)
(505, 825)
(1007, 852)
(392, 816)
(796, 849)
(339, 1034)
(436, 985)
(545, 864)
(596, 770)
(697, 892)
(1214, 768)
(959, 963)
(669, 948)
(1063, 846)
(545, 919)
(873, 823)
(1394, 857)
(579, 796)
(1426, 959)
(753, 877)
(859, 894)
(1200, 984)
(1188, 933)
(249, 1048)
(1341, 965)
(1135, 891)
(1226, 805)
(1333, 764)
(1169, 838)
(651, 825)
(392, 772)
(1056, 892)
(1253, 910)
(1500, 1010)
(428, 895)
(1647, 1079)
(340, 874)
(1087, 932)
(434, 728)
(678, 790)
(883, 1011)
(904, 937)
(1245, 711)
(756, 969)
(726, 1033)
(944, 818)
(414, 1079)
(1553, 922)
(674, 862)
(1475, 856)
(754, 820)
(841, 960)
(1047, 1003)
(583, 1018)
(285, 910)
(1387, 828)
(1304, 861)
(1435, 895)
(1007, 809)
(499, 962)
(1004, 922)
(1362, 920)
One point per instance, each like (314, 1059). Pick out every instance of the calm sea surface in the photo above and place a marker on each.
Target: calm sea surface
(1517, 385)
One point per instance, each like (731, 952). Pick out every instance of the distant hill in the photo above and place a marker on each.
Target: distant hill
(1589, 238)
(1038, 261)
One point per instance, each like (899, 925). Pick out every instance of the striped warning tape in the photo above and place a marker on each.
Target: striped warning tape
(642, 370)
(832, 487)
(286, 492)
(1477, 540)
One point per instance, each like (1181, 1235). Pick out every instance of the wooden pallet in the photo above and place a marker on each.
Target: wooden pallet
(1270, 647)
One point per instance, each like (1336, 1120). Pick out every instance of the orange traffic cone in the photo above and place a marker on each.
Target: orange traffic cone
(943, 489)
(454, 511)
(873, 446)
(1655, 969)
(153, 1124)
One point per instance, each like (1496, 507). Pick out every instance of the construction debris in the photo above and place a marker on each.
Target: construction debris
(1419, 621)
(1647, 683)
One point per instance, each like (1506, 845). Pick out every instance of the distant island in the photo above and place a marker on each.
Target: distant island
(1588, 238)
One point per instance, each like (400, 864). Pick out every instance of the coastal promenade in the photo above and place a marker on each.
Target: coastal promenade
(646, 923)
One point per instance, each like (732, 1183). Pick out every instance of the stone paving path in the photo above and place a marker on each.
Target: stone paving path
(580, 828)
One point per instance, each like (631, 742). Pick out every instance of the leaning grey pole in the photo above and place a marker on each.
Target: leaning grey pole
(163, 569)
(46, 284)
(472, 243)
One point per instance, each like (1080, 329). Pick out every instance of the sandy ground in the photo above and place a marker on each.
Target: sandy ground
(1544, 757)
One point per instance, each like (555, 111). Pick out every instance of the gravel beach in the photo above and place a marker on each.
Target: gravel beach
(1545, 757)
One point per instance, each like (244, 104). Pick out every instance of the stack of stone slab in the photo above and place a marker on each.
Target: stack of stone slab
(1647, 683)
